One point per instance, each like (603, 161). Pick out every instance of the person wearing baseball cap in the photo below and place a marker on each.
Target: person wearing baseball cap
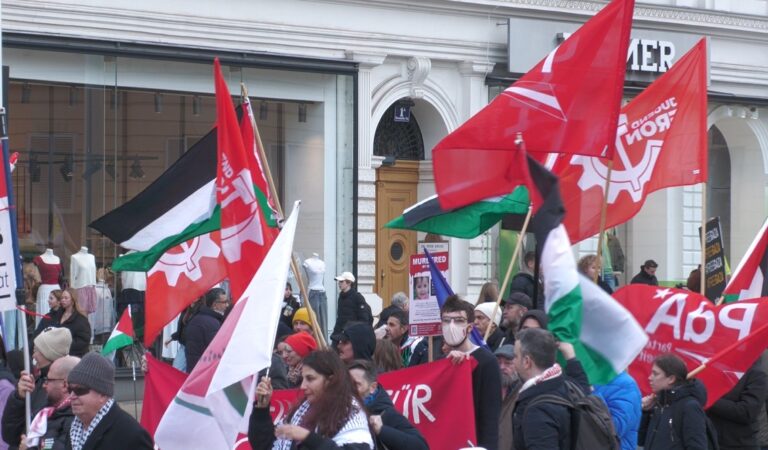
(515, 306)
(51, 344)
(510, 387)
(483, 313)
(99, 422)
(351, 306)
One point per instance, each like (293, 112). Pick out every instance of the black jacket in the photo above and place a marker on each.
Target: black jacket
(199, 332)
(486, 395)
(420, 353)
(659, 428)
(523, 282)
(80, 328)
(54, 316)
(397, 433)
(13, 422)
(58, 429)
(117, 430)
(644, 278)
(543, 426)
(261, 435)
(496, 339)
(363, 340)
(352, 308)
(734, 416)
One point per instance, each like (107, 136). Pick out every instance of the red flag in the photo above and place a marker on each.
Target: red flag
(749, 280)
(161, 383)
(727, 338)
(179, 277)
(568, 103)
(243, 230)
(436, 398)
(661, 142)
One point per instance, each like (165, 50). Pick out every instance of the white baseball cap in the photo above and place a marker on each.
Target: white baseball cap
(346, 276)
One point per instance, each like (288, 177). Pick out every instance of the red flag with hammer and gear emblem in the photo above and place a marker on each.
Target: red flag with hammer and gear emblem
(568, 103)
(661, 142)
(245, 234)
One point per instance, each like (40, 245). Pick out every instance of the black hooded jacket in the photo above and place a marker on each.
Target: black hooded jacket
(397, 433)
(537, 314)
(363, 340)
(199, 332)
(659, 428)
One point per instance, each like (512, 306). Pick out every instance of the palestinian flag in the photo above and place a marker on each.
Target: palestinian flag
(122, 335)
(749, 280)
(467, 222)
(606, 337)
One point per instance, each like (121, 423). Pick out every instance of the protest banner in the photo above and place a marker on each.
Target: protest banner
(424, 310)
(714, 270)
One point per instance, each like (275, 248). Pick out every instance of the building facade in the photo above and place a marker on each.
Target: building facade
(104, 96)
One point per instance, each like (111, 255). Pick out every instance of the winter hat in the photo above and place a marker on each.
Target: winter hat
(302, 314)
(54, 343)
(537, 315)
(302, 343)
(96, 372)
(487, 310)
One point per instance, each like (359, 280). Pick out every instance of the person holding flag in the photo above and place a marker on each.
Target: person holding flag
(329, 415)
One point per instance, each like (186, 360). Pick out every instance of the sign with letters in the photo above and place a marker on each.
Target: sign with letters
(714, 270)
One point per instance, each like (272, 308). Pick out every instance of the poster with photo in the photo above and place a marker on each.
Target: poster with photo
(424, 312)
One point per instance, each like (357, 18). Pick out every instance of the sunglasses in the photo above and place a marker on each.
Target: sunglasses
(78, 390)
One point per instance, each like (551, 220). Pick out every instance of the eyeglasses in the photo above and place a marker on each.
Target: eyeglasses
(78, 390)
(48, 380)
(459, 320)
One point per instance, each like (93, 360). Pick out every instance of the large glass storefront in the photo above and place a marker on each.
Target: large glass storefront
(92, 131)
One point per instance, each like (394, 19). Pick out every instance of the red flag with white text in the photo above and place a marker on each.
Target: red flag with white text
(179, 277)
(727, 338)
(661, 142)
(568, 103)
(245, 236)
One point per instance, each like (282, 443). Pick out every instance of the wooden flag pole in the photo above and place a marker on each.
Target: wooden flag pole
(703, 270)
(603, 217)
(318, 334)
(507, 276)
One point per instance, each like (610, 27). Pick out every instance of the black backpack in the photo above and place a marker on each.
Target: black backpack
(591, 423)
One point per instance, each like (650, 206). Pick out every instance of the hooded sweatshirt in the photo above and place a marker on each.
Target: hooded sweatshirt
(363, 340)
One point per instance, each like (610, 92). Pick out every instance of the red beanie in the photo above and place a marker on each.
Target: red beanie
(302, 343)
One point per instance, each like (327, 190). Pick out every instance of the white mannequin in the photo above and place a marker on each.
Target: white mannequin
(49, 258)
(82, 269)
(315, 268)
(134, 280)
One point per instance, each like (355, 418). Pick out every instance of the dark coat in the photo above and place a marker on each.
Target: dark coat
(523, 282)
(420, 353)
(13, 422)
(735, 414)
(496, 339)
(543, 426)
(117, 430)
(363, 340)
(58, 429)
(261, 435)
(80, 328)
(199, 333)
(659, 429)
(644, 278)
(352, 308)
(54, 316)
(486, 395)
(397, 433)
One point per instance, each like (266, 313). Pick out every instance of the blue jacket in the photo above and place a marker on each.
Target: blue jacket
(623, 399)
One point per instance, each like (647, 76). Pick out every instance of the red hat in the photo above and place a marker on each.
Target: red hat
(302, 343)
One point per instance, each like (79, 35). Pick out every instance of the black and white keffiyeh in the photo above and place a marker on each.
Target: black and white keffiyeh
(355, 429)
(78, 435)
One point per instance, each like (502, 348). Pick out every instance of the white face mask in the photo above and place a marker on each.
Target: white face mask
(454, 334)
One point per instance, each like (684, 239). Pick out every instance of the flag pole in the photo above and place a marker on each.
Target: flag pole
(603, 217)
(703, 270)
(318, 334)
(724, 352)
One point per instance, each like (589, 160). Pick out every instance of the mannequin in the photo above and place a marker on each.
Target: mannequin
(51, 271)
(315, 268)
(133, 286)
(104, 317)
(82, 269)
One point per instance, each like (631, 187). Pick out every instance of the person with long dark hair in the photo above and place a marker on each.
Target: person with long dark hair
(329, 416)
(673, 416)
(74, 319)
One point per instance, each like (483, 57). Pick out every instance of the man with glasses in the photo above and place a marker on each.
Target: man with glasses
(201, 329)
(49, 428)
(99, 422)
(515, 306)
(457, 317)
(50, 345)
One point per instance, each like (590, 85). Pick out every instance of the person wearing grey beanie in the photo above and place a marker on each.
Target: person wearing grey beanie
(99, 422)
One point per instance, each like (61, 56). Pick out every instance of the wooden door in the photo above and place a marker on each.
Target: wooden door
(395, 191)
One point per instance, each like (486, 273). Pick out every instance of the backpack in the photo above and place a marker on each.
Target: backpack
(591, 422)
(677, 418)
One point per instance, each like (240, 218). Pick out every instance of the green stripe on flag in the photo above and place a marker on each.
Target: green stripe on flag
(237, 397)
(193, 407)
(117, 342)
(565, 316)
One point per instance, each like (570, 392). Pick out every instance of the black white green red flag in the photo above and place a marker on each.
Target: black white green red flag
(749, 280)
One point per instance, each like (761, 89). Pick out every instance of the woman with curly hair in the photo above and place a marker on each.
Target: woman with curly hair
(329, 416)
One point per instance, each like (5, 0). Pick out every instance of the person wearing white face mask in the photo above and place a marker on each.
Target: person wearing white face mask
(457, 318)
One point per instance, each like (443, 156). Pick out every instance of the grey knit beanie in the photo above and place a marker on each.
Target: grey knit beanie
(53, 343)
(96, 372)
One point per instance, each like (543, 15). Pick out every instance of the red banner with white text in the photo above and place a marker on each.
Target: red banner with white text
(435, 397)
(727, 338)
